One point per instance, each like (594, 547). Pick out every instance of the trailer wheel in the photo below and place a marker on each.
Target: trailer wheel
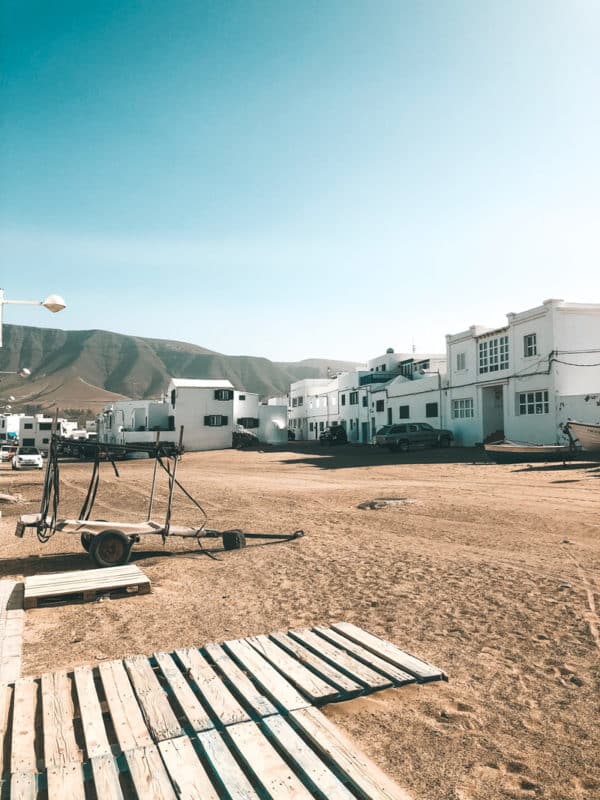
(86, 541)
(233, 540)
(110, 548)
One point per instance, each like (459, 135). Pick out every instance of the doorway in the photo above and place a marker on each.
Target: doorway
(492, 413)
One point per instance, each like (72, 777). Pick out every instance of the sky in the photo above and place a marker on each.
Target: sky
(292, 179)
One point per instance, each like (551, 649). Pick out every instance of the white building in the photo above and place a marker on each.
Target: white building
(35, 430)
(9, 426)
(521, 382)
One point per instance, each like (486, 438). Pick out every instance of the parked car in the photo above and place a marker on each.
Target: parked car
(379, 433)
(404, 436)
(7, 452)
(27, 458)
(334, 435)
(242, 438)
(291, 435)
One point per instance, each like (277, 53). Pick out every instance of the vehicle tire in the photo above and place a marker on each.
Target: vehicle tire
(111, 548)
(233, 540)
(86, 540)
(403, 446)
(444, 441)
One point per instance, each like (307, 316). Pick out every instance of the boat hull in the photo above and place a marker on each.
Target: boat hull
(587, 434)
(524, 454)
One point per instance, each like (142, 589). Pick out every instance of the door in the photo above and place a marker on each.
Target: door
(365, 432)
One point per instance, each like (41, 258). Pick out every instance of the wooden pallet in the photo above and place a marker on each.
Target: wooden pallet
(11, 630)
(236, 720)
(85, 585)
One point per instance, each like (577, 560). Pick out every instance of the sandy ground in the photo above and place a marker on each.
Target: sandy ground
(493, 574)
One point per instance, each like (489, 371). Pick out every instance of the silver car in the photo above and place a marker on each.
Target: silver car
(403, 436)
(27, 458)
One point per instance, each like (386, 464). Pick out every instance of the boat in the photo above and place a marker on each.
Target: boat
(507, 452)
(587, 434)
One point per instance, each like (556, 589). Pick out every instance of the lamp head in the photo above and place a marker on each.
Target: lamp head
(24, 372)
(54, 303)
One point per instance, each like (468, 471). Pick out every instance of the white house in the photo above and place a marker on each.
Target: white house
(35, 430)
(9, 426)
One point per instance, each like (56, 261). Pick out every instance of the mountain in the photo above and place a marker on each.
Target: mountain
(86, 369)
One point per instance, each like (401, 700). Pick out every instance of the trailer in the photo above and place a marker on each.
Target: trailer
(109, 543)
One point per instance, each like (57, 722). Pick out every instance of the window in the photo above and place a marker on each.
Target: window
(404, 412)
(431, 410)
(248, 422)
(28, 426)
(530, 345)
(365, 401)
(379, 405)
(389, 412)
(461, 361)
(321, 426)
(353, 398)
(310, 426)
(242, 397)
(294, 402)
(533, 402)
(45, 441)
(462, 409)
(223, 394)
(343, 399)
(173, 397)
(29, 442)
(493, 354)
(300, 401)
(216, 420)
(45, 426)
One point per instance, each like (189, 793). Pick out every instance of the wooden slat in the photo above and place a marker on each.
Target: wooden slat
(259, 704)
(215, 694)
(60, 747)
(389, 652)
(230, 774)
(341, 660)
(23, 786)
(197, 717)
(359, 770)
(149, 775)
(92, 575)
(306, 759)
(94, 731)
(160, 719)
(106, 778)
(271, 770)
(6, 693)
(23, 758)
(186, 771)
(399, 676)
(65, 780)
(309, 684)
(306, 656)
(270, 681)
(126, 716)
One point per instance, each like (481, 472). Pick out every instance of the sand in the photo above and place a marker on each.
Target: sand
(492, 574)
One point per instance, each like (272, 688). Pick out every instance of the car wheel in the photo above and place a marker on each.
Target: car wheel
(445, 441)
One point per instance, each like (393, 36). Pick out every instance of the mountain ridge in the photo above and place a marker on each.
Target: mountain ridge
(89, 368)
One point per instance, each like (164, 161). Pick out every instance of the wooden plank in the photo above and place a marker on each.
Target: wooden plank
(94, 731)
(23, 759)
(60, 747)
(341, 660)
(160, 719)
(271, 682)
(6, 693)
(65, 780)
(306, 656)
(186, 771)
(23, 786)
(259, 704)
(303, 679)
(230, 774)
(106, 778)
(215, 694)
(149, 775)
(271, 770)
(389, 652)
(399, 676)
(306, 759)
(197, 717)
(103, 573)
(359, 770)
(126, 716)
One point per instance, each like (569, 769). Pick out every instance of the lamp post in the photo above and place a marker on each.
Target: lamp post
(53, 303)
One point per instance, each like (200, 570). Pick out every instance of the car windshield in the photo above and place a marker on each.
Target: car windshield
(426, 427)
(28, 451)
(383, 430)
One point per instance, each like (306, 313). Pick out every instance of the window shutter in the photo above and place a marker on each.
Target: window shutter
(207, 420)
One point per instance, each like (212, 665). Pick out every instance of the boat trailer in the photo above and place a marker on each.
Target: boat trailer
(109, 543)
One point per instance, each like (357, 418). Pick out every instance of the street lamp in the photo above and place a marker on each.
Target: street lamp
(54, 303)
(22, 373)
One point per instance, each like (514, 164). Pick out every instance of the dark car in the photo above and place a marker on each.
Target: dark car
(335, 435)
(291, 435)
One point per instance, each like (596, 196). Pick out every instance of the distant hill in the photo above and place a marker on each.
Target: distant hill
(86, 369)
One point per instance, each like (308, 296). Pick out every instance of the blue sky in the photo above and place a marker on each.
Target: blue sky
(298, 179)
